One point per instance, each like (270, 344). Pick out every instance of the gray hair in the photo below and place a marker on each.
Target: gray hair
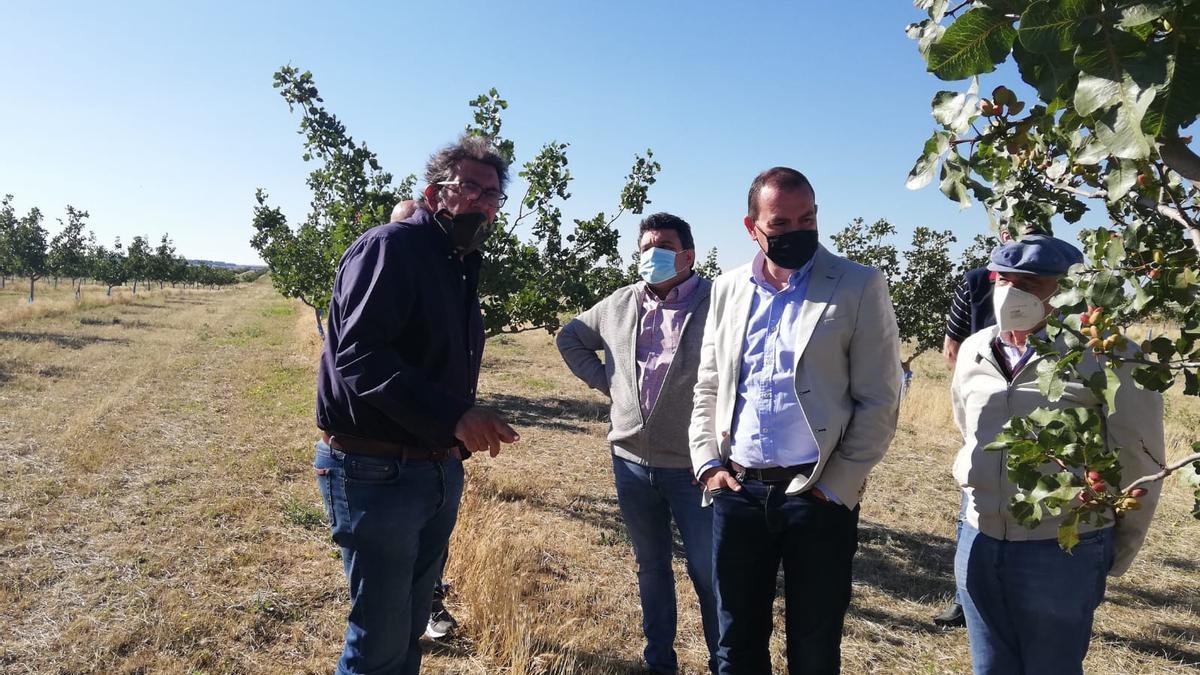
(480, 149)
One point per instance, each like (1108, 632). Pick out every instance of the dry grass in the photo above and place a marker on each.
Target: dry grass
(157, 514)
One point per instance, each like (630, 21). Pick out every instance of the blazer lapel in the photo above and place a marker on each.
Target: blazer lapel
(822, 281)
(739, 314)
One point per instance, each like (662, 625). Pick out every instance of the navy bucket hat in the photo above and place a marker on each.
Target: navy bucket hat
(1037, 254)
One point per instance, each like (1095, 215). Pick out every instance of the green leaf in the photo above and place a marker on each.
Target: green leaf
(1119, 130)
(1107, 387)
(922, 172)
(1050, 382)
(1154, 378)
(1053, 75)
(1107, 290)
(1026, 513)
(1068, 532)
(973, 44)
(1114, 251)
(1139, 13)
(954, 110)
(1049, 25)
(953, 186)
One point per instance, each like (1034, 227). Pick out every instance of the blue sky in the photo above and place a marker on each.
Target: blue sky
(161, 117)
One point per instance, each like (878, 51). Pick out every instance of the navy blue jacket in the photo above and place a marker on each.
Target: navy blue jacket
(405, 339)
(971, 309)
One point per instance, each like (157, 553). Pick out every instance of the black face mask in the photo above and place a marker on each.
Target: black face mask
(791, 250)
(466, 231)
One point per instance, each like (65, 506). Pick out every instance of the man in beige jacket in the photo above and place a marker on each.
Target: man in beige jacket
(1029, 604)
(796, 400)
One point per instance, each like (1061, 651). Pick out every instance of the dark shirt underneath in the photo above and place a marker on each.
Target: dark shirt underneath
(405, 339)
(971, 309)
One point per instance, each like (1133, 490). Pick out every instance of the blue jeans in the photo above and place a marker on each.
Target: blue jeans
(393, 521)
(648, 498)
(1029, 604)
(753, 531)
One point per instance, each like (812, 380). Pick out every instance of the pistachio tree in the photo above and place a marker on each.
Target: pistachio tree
(1112, 87)
(108, 265)
(27, 247)
(528, 282)
(921, 280)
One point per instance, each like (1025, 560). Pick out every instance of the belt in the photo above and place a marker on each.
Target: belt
(373, 448)
(772, 474)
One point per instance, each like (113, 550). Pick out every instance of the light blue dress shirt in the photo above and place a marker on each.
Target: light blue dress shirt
(769, 426)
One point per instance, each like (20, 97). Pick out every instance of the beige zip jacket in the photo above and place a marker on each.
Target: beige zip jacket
(983, 401)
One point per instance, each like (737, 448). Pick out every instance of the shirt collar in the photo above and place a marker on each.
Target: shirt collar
(680, 293)
(759, 279)
(1001, 338)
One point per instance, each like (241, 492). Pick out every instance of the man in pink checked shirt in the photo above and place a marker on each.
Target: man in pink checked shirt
(650, 333)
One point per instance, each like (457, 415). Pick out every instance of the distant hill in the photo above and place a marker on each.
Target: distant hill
(225, 265)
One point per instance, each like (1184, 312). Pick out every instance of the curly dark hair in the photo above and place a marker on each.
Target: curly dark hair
(441, 164)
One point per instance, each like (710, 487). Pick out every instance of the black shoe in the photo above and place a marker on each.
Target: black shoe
(952, 617)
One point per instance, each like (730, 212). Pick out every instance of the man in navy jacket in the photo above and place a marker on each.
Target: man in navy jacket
(396, 402)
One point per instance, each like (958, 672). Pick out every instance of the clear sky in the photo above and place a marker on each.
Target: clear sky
(160, 117)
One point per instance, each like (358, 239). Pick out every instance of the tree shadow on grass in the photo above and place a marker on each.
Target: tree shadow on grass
(186, 301)
(560, 413)
(912, 566)
(1130, 595)
(60, 339)
(1183, 564)
(916, 566)
(1171, 651)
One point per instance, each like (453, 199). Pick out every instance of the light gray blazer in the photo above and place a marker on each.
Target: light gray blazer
(661, 438)
(847, 371)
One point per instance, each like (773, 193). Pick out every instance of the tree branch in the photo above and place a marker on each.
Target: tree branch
(952, 12)
(1166, 471)
(1146, 203)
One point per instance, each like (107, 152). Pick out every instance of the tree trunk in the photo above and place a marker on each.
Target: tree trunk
(109, 291)
(56, 283)
(31, 280)
(135, 286)
(320, 328)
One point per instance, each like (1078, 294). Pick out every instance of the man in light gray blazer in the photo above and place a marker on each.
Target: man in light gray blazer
(650, 334)
(796, 400)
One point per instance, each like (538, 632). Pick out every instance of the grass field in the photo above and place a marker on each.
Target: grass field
(158, 512)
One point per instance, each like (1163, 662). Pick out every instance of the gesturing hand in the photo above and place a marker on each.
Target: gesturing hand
(481, 429)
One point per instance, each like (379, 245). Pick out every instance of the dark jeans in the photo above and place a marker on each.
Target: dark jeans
(753, 531)
(1029, 604)
(649, 498)
(393, 521)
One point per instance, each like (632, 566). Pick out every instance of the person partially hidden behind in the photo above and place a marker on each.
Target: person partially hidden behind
(650, 334)
(1029, 604)
(971, 312)
(396, 402)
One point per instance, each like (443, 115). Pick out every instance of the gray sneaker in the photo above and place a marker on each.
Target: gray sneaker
(441, 623)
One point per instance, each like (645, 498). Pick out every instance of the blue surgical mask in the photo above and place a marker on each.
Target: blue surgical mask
(657, 265)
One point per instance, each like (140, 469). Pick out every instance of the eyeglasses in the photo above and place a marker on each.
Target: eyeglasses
(475, 191)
